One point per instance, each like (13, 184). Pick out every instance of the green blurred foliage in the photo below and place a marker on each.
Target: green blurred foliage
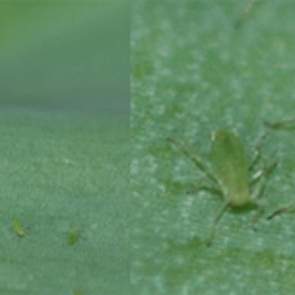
(64, 54)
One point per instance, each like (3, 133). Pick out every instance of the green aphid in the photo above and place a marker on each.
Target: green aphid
(73, 236)
(18, 228)
(230, 175)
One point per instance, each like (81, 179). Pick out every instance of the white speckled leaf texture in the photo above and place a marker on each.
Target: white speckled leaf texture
(58, 173)
(194, 71)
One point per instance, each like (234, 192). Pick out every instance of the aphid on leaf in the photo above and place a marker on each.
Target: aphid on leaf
(230, 175)
(18, 228)
(73, 236)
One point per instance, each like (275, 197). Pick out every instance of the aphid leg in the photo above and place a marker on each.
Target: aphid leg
(260, 186)
(195, 159)
(277, 212)
(257, 151)
(258, 215)
(215, 222)
(260, 181)
(288, 209)
(285, 124)
(263, 173)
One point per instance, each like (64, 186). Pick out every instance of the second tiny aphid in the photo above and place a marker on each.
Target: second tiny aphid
(230, 175)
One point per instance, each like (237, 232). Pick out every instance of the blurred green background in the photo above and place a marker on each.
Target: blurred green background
(198, 66)
(64, 106)
(69, 54)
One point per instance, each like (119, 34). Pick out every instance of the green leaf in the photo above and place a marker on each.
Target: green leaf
(212, 74)
(63, 191)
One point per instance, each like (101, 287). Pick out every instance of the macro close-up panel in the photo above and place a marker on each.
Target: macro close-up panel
(213, 136)
(64, 107)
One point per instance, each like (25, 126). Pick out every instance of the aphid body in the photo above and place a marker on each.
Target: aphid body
(229, 174)
(230, 168)
(73, 236)
(18, 228)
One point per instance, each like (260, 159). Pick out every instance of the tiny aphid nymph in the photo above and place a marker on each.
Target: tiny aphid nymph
(73, 236)
(239, 182)
(18, 228)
